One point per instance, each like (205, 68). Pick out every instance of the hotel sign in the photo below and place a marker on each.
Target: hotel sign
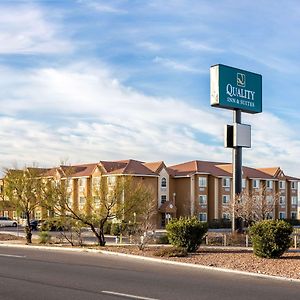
(233, 88)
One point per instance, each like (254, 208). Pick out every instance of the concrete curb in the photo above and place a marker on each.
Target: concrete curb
(151, 259)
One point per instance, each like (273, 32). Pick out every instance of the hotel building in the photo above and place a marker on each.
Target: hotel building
(196, 188)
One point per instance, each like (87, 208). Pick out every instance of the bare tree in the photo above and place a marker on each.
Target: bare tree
(116, 200)
(144, 226)
(252, 207)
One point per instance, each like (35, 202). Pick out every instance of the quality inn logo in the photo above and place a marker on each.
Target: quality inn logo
(241, 79)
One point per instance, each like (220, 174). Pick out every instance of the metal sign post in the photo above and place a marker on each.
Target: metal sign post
(236, 168)
(238, 90)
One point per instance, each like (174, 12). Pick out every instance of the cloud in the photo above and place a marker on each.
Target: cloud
(102, 6)
(93, 117)
(83, 112)
(26, 30)
(172, 64)
(199, 46)
(150, 46)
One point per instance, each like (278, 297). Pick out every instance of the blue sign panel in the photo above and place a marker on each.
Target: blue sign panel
(233, 88)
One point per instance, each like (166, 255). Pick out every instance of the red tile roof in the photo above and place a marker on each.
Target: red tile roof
(81, 170)
(51, 172)
(155, 166)
(133, 167)
(216, 169)
(271, 171)
(197, 166)
(247, 172)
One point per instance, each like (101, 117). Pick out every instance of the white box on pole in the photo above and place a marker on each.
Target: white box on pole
(241, 135)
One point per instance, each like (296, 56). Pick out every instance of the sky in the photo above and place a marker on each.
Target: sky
(87, 80)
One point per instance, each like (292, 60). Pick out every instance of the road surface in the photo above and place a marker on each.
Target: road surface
(42, 274)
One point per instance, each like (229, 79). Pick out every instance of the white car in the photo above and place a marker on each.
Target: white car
(6, 221)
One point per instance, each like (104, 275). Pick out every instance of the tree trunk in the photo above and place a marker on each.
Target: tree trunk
(100, 236)
(28, 229)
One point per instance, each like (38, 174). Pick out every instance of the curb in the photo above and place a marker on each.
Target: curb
(151, 259)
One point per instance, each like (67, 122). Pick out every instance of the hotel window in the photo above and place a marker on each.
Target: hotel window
(111, 180)
(163, 182)
(69, 201)
(294, 200)
(202, 200)
(82, 182)
(282, 185)
(269, 184)
(203, 217)
(294, 185)
(243, 183)
(269, 216)
(96, 202)
(226, 182)
(202, 181)
(226, 216)
(163, 199)
(255, 183)
(38, 215)
(281, 200)
(5, 214)
(269, 199)
(69, 182)
(96, 181)
(15, 214)
(293, 215)
(281, 215)
(225, 199)
(81, 202)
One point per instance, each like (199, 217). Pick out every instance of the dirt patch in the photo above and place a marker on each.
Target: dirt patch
(243, 260)
(10, 237)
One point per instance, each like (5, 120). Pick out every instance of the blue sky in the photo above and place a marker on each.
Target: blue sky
(87, 80)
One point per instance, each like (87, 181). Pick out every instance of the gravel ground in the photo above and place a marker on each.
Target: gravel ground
(10, 237)
(244, 260)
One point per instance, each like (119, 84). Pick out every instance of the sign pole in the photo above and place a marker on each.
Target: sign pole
(240, 91)
(236, 168)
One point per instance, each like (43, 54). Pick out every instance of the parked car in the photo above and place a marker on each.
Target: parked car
(51, 225)
(35, 224)
(6, 221)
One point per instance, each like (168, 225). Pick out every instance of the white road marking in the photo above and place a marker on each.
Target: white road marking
(127, 295)
(10, 255)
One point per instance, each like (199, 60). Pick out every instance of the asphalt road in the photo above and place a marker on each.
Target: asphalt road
(42, 274)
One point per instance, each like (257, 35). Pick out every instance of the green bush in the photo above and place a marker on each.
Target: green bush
(271, 238)
(44, 237)
(115, 229)
(186, 232)
(219, 223)
(162, 240)
(118, 228)
(107, 228)
(293, 222)
(172, 252)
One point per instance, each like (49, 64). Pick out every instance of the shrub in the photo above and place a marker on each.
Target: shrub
(162, 240)
(115, 229)
(271, 238)
(44, 237)
(186, 232)
(107, 228)
(118, 228)
(219, 223)
(172, 252)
